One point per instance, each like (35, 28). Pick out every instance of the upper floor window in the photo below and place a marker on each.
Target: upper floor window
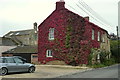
(93, 34)
(51, 34)
(98, 36)
(103, 39)
(49, 53)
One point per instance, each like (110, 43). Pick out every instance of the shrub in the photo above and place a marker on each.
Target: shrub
(90, 59)
(109, 62)
(114, 45)
(98, 65)
(104, 59)
(106, 63)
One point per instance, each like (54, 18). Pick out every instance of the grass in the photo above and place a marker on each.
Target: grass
(98, 66)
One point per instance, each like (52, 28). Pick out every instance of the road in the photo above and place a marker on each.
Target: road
(107, 72)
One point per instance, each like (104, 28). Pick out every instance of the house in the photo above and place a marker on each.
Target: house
(6, 44)
(64, 33)
(25, 42)
(113, 36)
(27, 52)
(100, 37)
(24, 37)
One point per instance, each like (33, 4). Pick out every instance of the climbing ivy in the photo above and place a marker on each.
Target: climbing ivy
(68, 36)
(69, 47)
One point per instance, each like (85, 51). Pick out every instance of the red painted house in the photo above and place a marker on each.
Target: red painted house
(64, 30)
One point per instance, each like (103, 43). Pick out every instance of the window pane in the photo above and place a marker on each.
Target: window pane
(92, 34)
(98, 36)
(103, 39)
(10, 60)
(17, 60)
(51, 34)
(4, 60)
(1, 60)
(49, 53)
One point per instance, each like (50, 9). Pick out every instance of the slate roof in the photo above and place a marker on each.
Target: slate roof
(23, 49)
(5, 48)
(6, 41)
(21, 32)
(69, 11)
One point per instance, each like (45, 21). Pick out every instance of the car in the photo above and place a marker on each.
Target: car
(15, 64)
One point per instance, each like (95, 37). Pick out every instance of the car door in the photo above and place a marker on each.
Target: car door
(11, 65)
(21, 66)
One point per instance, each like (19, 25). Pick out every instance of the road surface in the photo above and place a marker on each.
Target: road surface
(107, 72)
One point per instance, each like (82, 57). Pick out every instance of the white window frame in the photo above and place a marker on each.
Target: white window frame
(93, 34)
(98, 56)
(103, 39)
(51, 33)
(98, 36)
(49, 53)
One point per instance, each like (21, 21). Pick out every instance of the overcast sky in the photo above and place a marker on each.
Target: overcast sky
(21, 14)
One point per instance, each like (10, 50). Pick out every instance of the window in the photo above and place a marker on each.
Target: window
(49, 53)
(3, 60)
(17, 60)
(17, 33)
(51, 34)
(10, 60)
(103, 39)
(11, 34)
(34, 56)
(92, 34)
(98, 56)
(98, 36)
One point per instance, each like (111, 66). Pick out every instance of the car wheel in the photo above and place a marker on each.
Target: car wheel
(4, 71)
(31, 69)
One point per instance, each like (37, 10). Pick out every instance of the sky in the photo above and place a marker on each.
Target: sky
(21, 14)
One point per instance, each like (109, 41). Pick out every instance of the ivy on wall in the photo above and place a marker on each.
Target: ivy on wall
(72, 52)
(72, 38)
(68, 36)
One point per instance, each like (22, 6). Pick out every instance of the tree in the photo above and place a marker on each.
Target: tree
(115, 49)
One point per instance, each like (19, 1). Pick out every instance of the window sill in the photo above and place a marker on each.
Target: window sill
(49, 56)
(50, 39)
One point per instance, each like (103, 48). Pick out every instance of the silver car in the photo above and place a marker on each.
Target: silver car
(15, 64)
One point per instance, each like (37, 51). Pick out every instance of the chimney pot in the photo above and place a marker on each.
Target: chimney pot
(86, 18)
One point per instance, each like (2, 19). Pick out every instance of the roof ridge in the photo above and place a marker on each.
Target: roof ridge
(22, 30)
(86, 20)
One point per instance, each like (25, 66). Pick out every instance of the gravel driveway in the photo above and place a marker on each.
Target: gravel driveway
(46, 72)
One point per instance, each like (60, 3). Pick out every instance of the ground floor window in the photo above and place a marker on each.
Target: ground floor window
(34, 56)
(49, 53)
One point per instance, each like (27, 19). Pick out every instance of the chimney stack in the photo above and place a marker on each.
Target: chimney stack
(60, 5)
(86, 18)
(35, 26)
